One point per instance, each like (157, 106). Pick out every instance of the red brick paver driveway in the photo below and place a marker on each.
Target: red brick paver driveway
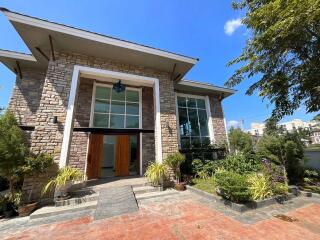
(180, 220)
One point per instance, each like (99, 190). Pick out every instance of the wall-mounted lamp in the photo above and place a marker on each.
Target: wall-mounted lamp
(55, 119)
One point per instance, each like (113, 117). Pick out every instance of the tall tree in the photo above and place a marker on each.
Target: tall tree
(239, 141)
(283, 52)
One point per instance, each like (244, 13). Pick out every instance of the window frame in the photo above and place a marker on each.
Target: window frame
(93, 101)
(208, 112)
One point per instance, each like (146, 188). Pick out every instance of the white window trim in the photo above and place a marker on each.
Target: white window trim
(208, 111)
(95, 84)
(95, 72)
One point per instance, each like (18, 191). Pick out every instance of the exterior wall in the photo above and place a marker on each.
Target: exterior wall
(218, 123)
(148, 147)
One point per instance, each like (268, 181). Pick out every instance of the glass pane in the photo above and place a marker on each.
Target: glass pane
(101, 120)
(102, 106)
(203, 122)
(201, 103)
(103, 92)
(184, 126)
(118, 96)
(117, 121)
(193, 119)
(181, 101)
(133, 108)
(191, 102)
(205, 141)
(132, 122)
(195, 142)
(117, 107)
(185, 142)
(134, 162)
(132, 96)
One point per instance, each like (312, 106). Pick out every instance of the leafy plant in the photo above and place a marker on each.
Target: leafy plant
(13, 150)
(280, 189)
(233, 186)
(203, 174)
(174, 161)
(197, 166)
(38, 163)
(239, 141)
(65, 175)
(156, 173)
(260, 186)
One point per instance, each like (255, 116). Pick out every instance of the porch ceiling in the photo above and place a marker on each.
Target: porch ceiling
(35, 33)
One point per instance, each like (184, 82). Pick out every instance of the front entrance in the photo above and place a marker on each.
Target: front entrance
(112, 155)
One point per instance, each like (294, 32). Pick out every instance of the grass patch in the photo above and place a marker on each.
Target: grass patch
(206, 185)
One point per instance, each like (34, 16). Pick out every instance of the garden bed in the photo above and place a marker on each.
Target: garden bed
(245, 206)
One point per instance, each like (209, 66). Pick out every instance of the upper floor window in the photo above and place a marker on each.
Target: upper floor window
(116, 110)
(193, 121)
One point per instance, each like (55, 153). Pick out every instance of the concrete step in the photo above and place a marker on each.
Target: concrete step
(82, 195)
(54, 211)
(144, 189)
(156, 194)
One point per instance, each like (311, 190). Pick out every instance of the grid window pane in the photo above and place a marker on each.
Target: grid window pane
(185, 142)
(203, 121)
(118, 96)
(201, 104)
(118, 107)
(184, 125)
(103, 92)
(133, 108)
(182, 101)
(132, 122)
(195, 142)
(102, 106)
(193, 121)
(191, 102)
(117, 121)
(101, 120)
(132, 96)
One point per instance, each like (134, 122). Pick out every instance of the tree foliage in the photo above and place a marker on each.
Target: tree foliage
(283, 51)
(239, 141)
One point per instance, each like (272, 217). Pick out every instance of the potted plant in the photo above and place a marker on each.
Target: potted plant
(156, 174)
(174, 161)
(35, 165)
(63, 181)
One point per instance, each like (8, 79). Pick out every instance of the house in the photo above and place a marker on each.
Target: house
(105, 105)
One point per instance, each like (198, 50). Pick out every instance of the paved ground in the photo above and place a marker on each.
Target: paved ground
(182, 216)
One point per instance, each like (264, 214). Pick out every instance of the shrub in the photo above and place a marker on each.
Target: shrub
(280, 189)
(260, 186)
(174, 161)
(197, 166)
(38, 163)
(156, 173)
(239, 141)
(233, 186)
(65, 175)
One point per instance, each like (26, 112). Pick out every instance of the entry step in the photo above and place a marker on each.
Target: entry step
(156, 194)
(144, 189)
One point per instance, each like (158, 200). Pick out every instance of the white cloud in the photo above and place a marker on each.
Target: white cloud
(234, 124)
(232, 25)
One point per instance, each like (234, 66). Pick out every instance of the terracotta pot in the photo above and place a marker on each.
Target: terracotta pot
(27, 209)
(180, 186)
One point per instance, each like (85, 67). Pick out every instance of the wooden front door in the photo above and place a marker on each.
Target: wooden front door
(122, 155)
(95, 154)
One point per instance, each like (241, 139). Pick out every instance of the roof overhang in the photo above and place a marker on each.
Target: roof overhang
(203, 88)
(35, 33)
(16, 60)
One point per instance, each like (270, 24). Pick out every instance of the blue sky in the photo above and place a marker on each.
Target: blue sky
(207, 29)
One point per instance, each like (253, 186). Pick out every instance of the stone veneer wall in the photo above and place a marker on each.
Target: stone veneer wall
(148, 147)
(218, 121)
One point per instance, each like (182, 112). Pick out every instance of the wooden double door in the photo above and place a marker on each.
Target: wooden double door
(109, 155)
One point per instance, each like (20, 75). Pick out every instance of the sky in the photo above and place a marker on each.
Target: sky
(207, 29)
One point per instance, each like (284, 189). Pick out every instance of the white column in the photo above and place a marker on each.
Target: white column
(156, 94)
(68, 127)
(210, 123)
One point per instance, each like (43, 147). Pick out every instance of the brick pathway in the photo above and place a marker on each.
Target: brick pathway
(186, 217)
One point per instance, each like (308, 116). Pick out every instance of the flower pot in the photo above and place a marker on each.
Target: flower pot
(27, 209)
(180, 186)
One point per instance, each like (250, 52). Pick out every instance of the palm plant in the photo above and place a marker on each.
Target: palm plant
(174, 162)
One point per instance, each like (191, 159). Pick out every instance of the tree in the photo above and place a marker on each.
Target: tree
(13, 149)
(283, 51)
(316, 118)
(240, 141)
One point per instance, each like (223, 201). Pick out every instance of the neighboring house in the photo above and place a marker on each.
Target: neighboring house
(315, 136)
(69, 99)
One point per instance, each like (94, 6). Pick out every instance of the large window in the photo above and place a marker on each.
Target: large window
(116, 110)
(193, 122)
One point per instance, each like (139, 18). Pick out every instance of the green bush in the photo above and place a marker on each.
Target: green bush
(232, 186)
(260, 186)
(280, 189)
(38, 163)
(156, 173)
